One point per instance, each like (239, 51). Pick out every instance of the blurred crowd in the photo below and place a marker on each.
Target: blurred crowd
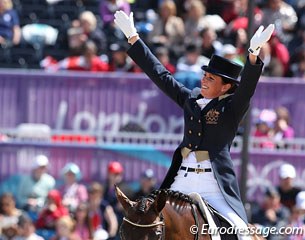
(272, 128)
(42, 207)
(184, 34)
(281, 206)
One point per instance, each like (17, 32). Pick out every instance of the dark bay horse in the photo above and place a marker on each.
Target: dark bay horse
(163, 215)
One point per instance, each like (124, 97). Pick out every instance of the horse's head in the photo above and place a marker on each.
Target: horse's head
(143, 218)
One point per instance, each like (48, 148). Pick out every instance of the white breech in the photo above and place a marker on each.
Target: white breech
(206, 185)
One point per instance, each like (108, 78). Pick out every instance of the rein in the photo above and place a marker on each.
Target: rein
(160, 222)
(144, 225)
(196, 220)
(154, 224)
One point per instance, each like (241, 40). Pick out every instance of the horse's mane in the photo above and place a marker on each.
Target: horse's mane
(170, 195)
(175, 195)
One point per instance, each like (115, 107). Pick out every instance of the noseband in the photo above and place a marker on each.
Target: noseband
(144, 225)
(161, 219)
(154, 224)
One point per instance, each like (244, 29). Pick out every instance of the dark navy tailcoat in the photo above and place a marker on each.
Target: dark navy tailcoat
(211, 129)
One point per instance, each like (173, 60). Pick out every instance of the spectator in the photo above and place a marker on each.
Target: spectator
(26, 229)
(101, 213)
(196, 20)
(163, 55)
(10, 33)
(209, 43)
(88, 25)
(238, 38)
(265, 55)
(148, 184)
(83, 226)
(298, 41)
(286, 188)
(9, 215)
(107, 10)
(115, 177)
(282, 128)
(272, 213)
(189, 67)
(192, 61)
(53, 210)
(119, 60)
(76, 39)
(230, 52)
(109, 7)
(239, 9)
(65, 229)
(297, 66)
(168, 30)
(142, 7)
(87, 61)
(298, 217)
(277, 60)
(72, 191)
(264, 129)
(283, 16)
(279, 56)
(34, 188)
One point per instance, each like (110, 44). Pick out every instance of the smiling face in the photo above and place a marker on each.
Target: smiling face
(212, 86)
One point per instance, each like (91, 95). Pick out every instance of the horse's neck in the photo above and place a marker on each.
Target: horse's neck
(178, 218)
(178, 207)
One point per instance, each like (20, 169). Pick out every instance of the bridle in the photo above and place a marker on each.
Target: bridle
(154, 224)
(157, 223)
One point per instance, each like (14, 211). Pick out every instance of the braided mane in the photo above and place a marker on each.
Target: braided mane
(176, 195)
(144, 202)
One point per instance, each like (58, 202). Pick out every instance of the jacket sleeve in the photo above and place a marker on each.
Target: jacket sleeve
(243, 94)
(144, 58)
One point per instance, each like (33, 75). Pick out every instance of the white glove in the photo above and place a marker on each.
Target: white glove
(125, 23)
(260, 38)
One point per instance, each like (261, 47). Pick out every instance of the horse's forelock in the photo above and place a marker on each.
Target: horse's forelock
(142, 204)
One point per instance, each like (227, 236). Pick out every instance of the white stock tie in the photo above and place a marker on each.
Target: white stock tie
(202, 102)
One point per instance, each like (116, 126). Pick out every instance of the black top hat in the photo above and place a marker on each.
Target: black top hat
(223, 67)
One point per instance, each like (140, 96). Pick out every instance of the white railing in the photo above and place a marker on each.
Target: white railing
(159, 141)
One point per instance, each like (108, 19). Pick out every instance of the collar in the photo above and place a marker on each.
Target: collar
(223, 96)
(202, 102)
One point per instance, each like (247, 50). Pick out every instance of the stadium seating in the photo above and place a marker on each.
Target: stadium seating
(58, 15)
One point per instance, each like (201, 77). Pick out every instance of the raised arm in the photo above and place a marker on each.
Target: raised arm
(252, 70)
(133, 39)
(144, 58)
(260, 38)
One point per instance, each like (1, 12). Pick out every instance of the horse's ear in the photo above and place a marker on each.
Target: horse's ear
(160, 201)
(123, 199)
